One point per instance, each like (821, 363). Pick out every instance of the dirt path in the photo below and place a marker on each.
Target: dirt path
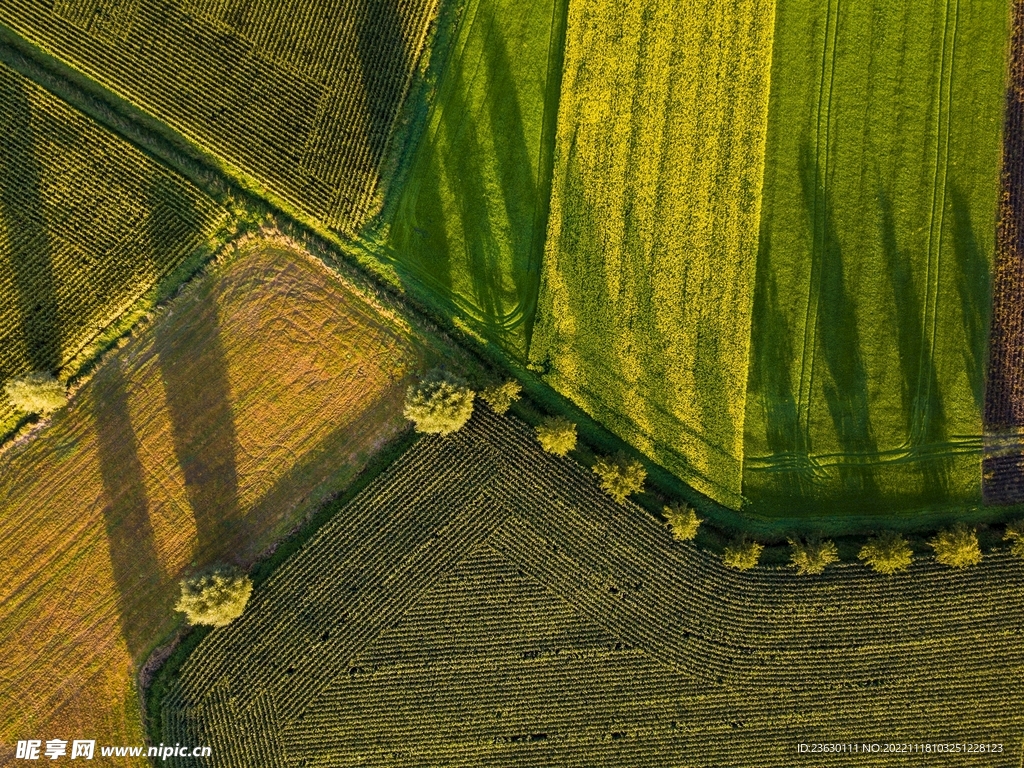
(1003, 468)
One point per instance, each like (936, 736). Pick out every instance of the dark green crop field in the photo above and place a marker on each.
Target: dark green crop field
(482, 603)
(878, 225)
(470, 221)
(88, 224)
(301, 95)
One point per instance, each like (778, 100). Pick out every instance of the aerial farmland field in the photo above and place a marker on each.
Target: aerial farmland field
(644, 312)
(299, 96)
(556, 384)
(526, 619)
(88, 224)
(191, 444)
(878, 223)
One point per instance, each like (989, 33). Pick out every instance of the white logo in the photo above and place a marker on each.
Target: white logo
(29, 749)
(83, 748)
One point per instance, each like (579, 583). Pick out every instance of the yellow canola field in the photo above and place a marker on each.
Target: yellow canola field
(645, 306)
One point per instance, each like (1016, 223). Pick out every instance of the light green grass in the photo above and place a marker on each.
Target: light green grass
(469, 225)
(877, 234)
(644, 314)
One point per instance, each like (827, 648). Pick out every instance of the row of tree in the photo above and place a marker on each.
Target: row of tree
(442, 403)
(888, 552)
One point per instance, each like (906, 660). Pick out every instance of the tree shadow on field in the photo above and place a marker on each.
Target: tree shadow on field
(633, 312)
(136, 567)
(194, 370)
(922, 404)
(585, 305)
(482, 154)
(465, 172)
(421, 237)
(838, 339)
(23, 210)
(975, 290)
(773, 351)
(514, 161)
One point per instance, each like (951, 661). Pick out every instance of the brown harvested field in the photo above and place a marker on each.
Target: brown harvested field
(211, 433)
(1003, 465)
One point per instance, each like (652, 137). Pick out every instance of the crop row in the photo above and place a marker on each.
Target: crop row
(629, 560)
(300, 95)
(361, 589)
(507, 611)
(87, 225)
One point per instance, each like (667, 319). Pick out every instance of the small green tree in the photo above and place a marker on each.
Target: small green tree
(440, 404)
(620, 476)
(501, 397)
(887, 553)
(557, 435)
(38, 392)
(742, 554)
(683, 521)
(1015, 535)
(216, 598)
(956, 547)
(812, 555)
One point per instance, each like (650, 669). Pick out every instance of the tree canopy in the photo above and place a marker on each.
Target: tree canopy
(37, 392)
(557, 435)
(216, 598)
(441, 403)
(742, 554)
(501, 397)
(683, 521)
(812, 555)
(956, 547)
(887, 553)
(620, 476)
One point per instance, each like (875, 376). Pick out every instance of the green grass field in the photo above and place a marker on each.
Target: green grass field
(88, 225)
(299, 95)
(648, 275)
(877, 235)
(482, 603)
(469, 223)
